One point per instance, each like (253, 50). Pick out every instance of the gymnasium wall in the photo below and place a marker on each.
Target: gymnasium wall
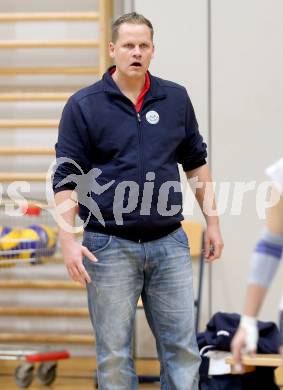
(42, 138)
(246, 102)
(247, 132)
(246, 112)
(31, 57)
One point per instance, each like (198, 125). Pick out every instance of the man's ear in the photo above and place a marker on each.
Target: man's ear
(111, 48)
(153, 52)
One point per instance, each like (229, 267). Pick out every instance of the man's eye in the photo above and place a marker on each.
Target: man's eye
(144, 46)
(128, 46)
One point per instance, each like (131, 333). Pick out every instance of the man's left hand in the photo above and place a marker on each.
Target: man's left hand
(213, 243)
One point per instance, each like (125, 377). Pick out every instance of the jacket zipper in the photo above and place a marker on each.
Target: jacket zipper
(140, 147)
(140, 153)
(138, 116)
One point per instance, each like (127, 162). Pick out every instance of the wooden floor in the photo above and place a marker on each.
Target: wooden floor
(73, 374)
(8, 383)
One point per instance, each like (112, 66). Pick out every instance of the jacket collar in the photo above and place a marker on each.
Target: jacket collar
(156, 91)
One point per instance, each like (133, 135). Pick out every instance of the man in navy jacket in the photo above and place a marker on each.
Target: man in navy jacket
(119, 144)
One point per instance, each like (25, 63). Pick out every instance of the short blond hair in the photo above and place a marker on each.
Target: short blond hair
(132, 17)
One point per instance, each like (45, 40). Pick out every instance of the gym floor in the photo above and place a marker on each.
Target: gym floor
(72, 374)
(62, 383)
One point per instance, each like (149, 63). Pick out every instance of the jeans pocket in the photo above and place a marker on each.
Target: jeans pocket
(96, 242)
(180, 237)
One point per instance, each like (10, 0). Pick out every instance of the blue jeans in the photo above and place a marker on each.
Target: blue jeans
(159, 271)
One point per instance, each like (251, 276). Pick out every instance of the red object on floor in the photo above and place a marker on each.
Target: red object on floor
(31, 210)
(47, 356)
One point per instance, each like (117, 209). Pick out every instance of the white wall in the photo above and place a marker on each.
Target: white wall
(180, 44)
(247, 99)
(247, 119)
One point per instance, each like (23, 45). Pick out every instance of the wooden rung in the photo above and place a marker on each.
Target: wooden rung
(30, 96)
(279, 376)
(47, 338)
(265, 360)
(44, 311)
(57, 70)
(5, 151)
(41, 284)
(75, 373)
(48, 16)
(194, 232)
(70, 43)
(45, 285)
(33, 202)
(12, 176)
(28, 123)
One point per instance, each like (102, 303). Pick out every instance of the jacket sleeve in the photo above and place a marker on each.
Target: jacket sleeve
(73, 151)
(192, 151)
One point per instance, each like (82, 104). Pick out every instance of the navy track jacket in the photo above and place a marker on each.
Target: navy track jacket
(128, 157)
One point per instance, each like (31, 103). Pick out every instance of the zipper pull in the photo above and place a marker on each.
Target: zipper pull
(139, 117)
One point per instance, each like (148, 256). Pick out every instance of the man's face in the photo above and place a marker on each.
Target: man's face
(133, 50)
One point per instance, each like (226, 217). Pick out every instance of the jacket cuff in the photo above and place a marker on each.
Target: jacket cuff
(64, 188)
(189, 166)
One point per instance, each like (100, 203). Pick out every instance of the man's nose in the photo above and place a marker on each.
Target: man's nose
(137, 51)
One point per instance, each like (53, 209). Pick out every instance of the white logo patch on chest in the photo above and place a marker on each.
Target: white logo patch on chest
(152, 117)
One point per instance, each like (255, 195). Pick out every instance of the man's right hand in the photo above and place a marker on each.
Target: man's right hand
(73, 253)
(245, 339)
